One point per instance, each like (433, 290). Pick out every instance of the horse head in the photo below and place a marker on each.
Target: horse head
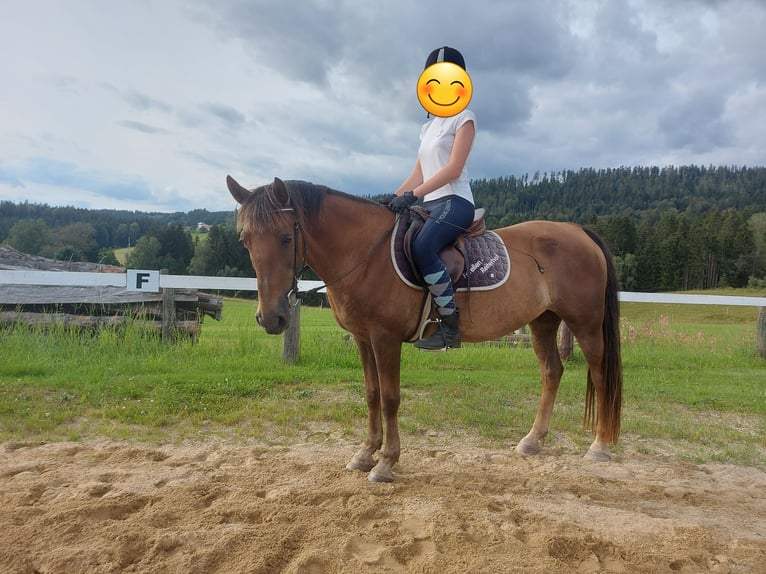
(268, 228)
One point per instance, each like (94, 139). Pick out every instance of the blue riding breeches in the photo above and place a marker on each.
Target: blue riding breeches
(448, 218)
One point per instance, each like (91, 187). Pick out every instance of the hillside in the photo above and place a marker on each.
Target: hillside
(113, 228)
(644, 193)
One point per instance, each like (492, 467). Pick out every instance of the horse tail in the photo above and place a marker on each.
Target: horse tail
(610, 406)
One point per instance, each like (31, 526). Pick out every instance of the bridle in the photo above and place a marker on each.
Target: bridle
(294, 295)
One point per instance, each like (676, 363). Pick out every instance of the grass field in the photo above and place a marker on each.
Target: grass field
(694, 387)
(122, 254)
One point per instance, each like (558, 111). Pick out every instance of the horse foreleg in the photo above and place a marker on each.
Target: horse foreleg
(388, 360)
(544, 330)
(363, 460)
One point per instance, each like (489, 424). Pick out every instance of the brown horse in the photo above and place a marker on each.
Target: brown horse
(560, 272)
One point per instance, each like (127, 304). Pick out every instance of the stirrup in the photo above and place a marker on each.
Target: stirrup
(446, 337)
(433, 344)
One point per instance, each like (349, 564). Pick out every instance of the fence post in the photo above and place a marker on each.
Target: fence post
(292, 338)
(761, 332)
(168, 311)
(566, 342)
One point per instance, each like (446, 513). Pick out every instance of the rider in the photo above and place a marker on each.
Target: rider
(440, 179)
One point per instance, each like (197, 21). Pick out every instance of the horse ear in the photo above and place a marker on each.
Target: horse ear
(239, 193)
(279, 193)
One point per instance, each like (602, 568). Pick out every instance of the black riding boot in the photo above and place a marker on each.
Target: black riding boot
(447, 337)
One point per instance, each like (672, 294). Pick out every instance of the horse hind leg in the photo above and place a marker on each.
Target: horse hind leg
(596, 407)
(544, 330)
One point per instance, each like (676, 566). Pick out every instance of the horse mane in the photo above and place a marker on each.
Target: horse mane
(261, 212)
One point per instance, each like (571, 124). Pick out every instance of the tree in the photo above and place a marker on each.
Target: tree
(75, 238)
(29, 236)
(168, 248)
(627, 271)
(176, 248)
(221, 254)
(106, 256)
(620, 234)
(737, 249)
(146, 254)
(203, 261)
(67, 253)
(757, 225)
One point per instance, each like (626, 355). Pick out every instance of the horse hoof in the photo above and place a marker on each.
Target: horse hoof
(380, 475)
(598, 455)
(527, 449)
(360, 465)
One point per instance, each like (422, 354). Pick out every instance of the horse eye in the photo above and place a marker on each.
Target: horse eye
(286, 239)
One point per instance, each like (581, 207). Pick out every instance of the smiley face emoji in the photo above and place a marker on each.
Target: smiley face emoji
(444, 89)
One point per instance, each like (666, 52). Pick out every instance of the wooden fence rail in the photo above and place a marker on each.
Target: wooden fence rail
(16, 285)
(172, 306)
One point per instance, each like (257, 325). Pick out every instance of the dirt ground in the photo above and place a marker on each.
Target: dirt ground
(216, 506)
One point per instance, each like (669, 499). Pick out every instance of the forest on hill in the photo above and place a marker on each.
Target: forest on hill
(670, 228)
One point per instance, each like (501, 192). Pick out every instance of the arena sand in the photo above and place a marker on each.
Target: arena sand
(223, 506)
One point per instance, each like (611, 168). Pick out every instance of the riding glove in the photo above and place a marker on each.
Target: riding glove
(402, 202)
(386, 199)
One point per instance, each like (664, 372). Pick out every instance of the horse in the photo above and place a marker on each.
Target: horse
(560, 272)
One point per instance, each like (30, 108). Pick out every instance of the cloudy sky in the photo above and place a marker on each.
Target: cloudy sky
(149, 104)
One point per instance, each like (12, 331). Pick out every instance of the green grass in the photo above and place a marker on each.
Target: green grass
(122, 254)
(694, 388)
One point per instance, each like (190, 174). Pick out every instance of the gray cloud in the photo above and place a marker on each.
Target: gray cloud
(67, 175)
(325, 91)
(696, 123)
(141, 101)
(302, 40)
(141, 127)
(226, 114)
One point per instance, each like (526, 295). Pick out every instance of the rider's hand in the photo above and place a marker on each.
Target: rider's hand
(386, 199)
(402, 202)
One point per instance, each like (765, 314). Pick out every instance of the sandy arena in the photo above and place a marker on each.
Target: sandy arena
(103, 506)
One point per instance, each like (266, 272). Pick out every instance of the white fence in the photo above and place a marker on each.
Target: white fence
(137, 280)
(631, 297)
(84, 279)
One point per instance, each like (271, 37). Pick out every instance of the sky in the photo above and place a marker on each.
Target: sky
(147, 105)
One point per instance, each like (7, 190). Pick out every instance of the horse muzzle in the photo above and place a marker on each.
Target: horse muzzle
(275, 321)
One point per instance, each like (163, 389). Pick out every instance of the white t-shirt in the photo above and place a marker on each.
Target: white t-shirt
(436, 139)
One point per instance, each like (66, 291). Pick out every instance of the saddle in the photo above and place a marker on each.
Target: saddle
(478, 259)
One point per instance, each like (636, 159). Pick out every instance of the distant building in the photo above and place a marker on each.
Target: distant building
(203, 227)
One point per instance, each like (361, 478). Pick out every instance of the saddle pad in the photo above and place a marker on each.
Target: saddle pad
(490, 265)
